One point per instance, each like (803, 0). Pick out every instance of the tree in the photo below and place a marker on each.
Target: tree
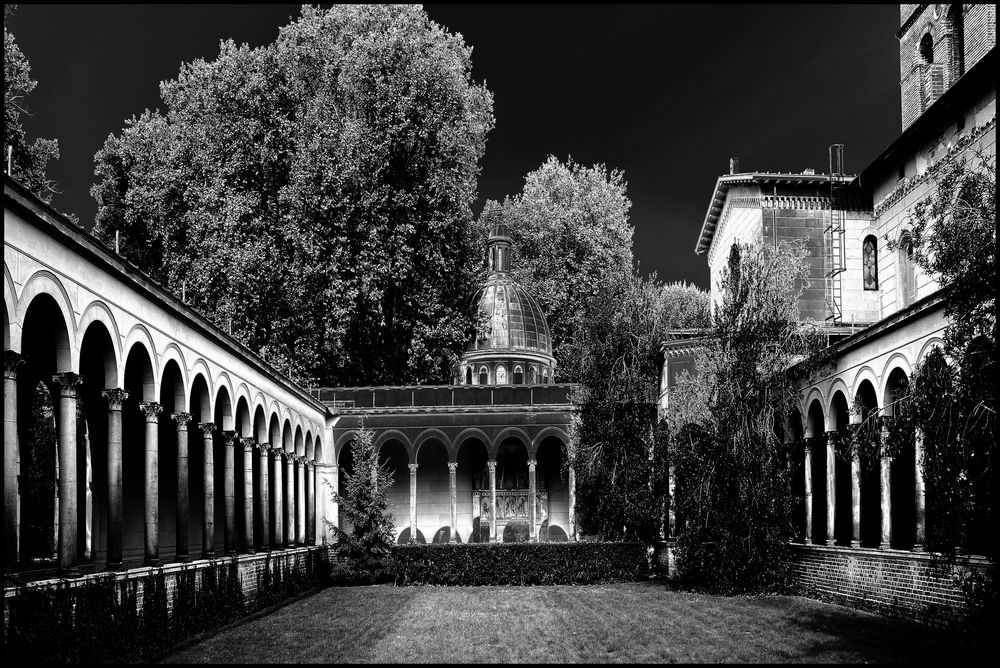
(314, 194)
(732, 496)
(28, 159)
(572, 239)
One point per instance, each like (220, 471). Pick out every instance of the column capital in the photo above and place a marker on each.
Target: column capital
(11, 362)
(182, 419)
(151, 410)
(277, 453)
(207, 428)
(249, 445)
(264, 448)
(116, 397)
(229, 436)
(310, 464)
(491, 465)
(413, 468)
(300, 460)
(831, 434)
(67, 382)
(452, 466)
(532, 464)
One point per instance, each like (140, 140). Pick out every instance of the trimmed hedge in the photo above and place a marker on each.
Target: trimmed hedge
(519, 563)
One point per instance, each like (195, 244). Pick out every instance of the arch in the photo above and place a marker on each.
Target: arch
(98, 311)
(510, 432)
(838, 386)
(865, 373)
(815, 394)
(394, 434)
(484, 375)
(501, 374)
(896, 361)
(925, 49)
(200, 401)
(140, 334)
(468, 375)
(286, 436)
(223, 409)
(472, 432)
(319, 454)
(222, 380)
(139, 354)
(259, 424)
(815, 418)
(243, 423)
(309, 446)
(274, 431)
(343, 440)
(41, 283)
(299, 444)
(11, 340)
(428, 434)
(926, 348)
(838, 412)
(518, 375)
(895, 387)
(905, 279)
(103, 372)
(869, 262)
(286, 415)
(172, 353)
(172, 385)
(545, 433)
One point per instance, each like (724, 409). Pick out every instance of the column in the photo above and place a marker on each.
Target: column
(116, 398)
(809, 492)
(249, 449)
(310, 473)
(532, 503)
(492, 465)
(855, 500)
(453, 497)
(151, 479)
(572, 503)
(885, 491)
(11, 362)
(671, 509)
(264, 498)
(831, 486)
(335, 505)
(278, 509)
(229, 491)
(290, 499)
(67, 382)
(413, 503)
(208, 519)
(919, 492)
(183, 485)
(300, 500)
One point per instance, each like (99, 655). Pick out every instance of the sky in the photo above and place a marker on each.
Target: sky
(665, 93)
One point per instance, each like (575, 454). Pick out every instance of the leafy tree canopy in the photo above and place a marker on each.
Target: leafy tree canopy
(315, 193)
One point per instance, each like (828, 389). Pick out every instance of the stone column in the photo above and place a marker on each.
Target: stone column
(151, 480)
(249, 450)
(300, 500)
(289, 499)
(67, 382)
(310, 473)
(453, 498)
(492, 466)
(183, 485)
(809, 492)
(886, 495)
(532, 503)
(413, 503)
(855, 500)
(919, 493)
(229, 491)
(116, 398)
(671, 509)
(831, 487)
(335, 505)
(264, 498)
(11, 362)
(572, 503)
(208, 518)
(278, 510)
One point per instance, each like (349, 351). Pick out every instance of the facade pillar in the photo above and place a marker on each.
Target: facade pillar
(67, 382)
(11, 362)
(289, 499)
(278, 507)
(919, 492)
(151, 480)
(249, 450)
(572, 503)
(208, 518)
(453, 499)
(335, 504)
(809, 492)
(310, 473)
(183, 485)
(492, 466)
(532, 503)
(671, 509)
(831, 487)
(413, 503)
(264, 498)
(116, 398)
(229, 491)
(855, 500)
(300, 500)
(885, 490)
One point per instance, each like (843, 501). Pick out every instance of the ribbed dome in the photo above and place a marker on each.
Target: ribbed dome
(514, 319)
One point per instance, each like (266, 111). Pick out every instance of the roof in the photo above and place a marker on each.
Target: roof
(723, 184)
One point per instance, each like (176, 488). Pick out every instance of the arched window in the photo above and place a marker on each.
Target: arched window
(926, 49)
(501, 374)
(484, 375)
(957, 41)
(907, 284)
(468, 375)
(533, 375)
(869, 262)
(545, 376)
(518, 375)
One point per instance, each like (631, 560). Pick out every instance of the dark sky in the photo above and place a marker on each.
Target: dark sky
(665, 93)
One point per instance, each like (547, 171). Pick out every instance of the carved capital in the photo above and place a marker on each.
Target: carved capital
(413, 468)
(264, 448)
(452, 466)
(11, 361)
(67, 382)
(249, 445)
(182, 420)
(277, 454)
(492, 465)
(151, 410)
(116, 397)
(229, 437)
(531, 465)
(207, 428)
(832, 435)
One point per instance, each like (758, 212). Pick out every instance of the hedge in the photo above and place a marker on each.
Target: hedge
(519, 563)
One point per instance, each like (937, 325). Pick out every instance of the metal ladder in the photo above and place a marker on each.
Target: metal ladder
(834, 241)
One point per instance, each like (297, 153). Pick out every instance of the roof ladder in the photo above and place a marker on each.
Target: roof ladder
(834, 241)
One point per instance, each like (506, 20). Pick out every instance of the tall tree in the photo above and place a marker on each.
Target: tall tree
(28, 159)
(315, 193)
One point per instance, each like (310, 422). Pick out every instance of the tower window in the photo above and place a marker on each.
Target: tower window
(907, 284)
(501, 375)
(484, 376)
(468, 375)
(533, 375)
(869, 263)
(518, 375)
(926, 48)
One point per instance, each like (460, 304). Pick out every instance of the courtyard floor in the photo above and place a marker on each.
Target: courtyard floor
(642, 622)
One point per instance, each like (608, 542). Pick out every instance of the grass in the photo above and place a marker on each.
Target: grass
(642, 622)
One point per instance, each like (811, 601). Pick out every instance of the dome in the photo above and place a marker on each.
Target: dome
(514, 319)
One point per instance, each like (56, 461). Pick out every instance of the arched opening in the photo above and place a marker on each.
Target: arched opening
(299, 488)
(871, 499)
(259, 470)
(907, 281)
(433, 491)
(843, 517)
(224, 423)
(468, 375)
(245, 430)
(276, 518)
(288, 482)
(46, 351)
(172, 401)
(484, 375)
(393, 455)
(201, 412)
(139, 383)
(471, 456)
(518, 375)
(533, 375)
(869, 263)
(926, 49)
(512, 489)
(552, 491)
(99, 369)
(345, 464)
(501, 374)
(817, 442)
(957, 20)
(902, 468)
(310, 505)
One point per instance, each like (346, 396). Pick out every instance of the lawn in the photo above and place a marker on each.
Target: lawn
(642, 622)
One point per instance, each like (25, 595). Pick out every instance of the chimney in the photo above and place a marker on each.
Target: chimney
(809, 170)
(734, 165)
